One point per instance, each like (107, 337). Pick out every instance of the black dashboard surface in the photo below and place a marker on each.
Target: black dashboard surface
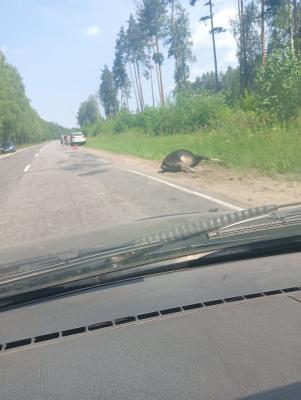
(229, 331)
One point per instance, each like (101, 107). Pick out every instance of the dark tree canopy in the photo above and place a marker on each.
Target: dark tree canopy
(19, 122)
(88, 112)
(180, 45)
(108, 92)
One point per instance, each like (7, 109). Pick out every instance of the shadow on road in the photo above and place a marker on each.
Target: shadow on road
(90, 173)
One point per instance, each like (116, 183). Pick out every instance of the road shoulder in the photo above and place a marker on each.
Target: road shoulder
(241, 188)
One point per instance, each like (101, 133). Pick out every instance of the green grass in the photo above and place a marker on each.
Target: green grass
(23, 146)
(270, 150)
(206, 125)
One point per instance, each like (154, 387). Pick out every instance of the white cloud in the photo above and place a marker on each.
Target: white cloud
(202, 43)
(223, 17)
(196, 71)
(3, 48)
(231, 58)
(92, 30)
(200, 36)
(200, 33)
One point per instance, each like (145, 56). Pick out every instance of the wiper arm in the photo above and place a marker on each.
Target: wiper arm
(273, 220)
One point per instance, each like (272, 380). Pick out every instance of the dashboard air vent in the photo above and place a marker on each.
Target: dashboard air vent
(150, 315)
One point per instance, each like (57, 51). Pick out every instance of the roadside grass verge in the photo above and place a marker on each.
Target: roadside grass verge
(274, 150)
(24, 146)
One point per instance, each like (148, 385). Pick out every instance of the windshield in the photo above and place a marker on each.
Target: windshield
(135, 123)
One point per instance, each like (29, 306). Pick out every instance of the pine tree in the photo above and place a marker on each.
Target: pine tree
(279, 20)
(121, 78)
(247, 32)
(213, 31)
(180, 44)
(151, 17)
(108, 92)
(135, 55)
(88, 112)
(262, 35)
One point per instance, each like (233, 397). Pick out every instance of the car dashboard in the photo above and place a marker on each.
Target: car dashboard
(225, 331)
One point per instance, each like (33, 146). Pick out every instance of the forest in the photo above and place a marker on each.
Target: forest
(248, 115)
(19, 122)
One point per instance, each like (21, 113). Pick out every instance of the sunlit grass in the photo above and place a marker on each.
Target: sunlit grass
(270, 150)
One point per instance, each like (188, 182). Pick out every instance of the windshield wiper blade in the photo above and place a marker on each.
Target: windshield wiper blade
(182, 258)
(20, 286)
(101, 260)
(260, 225)
(65, 271)
(215, 224)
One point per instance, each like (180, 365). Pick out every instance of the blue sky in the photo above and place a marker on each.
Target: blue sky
(60, 46)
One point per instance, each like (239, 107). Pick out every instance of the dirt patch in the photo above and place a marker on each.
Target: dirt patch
(244, 189)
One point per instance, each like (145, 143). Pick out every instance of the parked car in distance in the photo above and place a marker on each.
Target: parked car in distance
(77, 138)
(8, 147)
(66, 139)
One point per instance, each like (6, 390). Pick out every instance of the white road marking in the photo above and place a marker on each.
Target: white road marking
(104, 161)
(183, 189)
(27, 168)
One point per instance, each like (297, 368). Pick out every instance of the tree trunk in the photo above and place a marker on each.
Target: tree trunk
(173, 30)
(123, 101)
(243, 50)
(295, 27)
(214, 48)
(172, 15)
(151, 74)
(157, 75)
(240, 45)
(127, 101)
(160, 74)
(133, 82)
(140, 86)
(262, 33)
(291, 27)
(137, 85)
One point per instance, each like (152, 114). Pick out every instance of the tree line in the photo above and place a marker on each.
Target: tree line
(19, 122)
(268, 76)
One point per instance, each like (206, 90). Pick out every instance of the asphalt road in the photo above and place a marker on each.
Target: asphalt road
(50, 190)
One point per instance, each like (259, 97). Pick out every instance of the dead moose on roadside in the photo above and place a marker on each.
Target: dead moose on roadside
(182, 160)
